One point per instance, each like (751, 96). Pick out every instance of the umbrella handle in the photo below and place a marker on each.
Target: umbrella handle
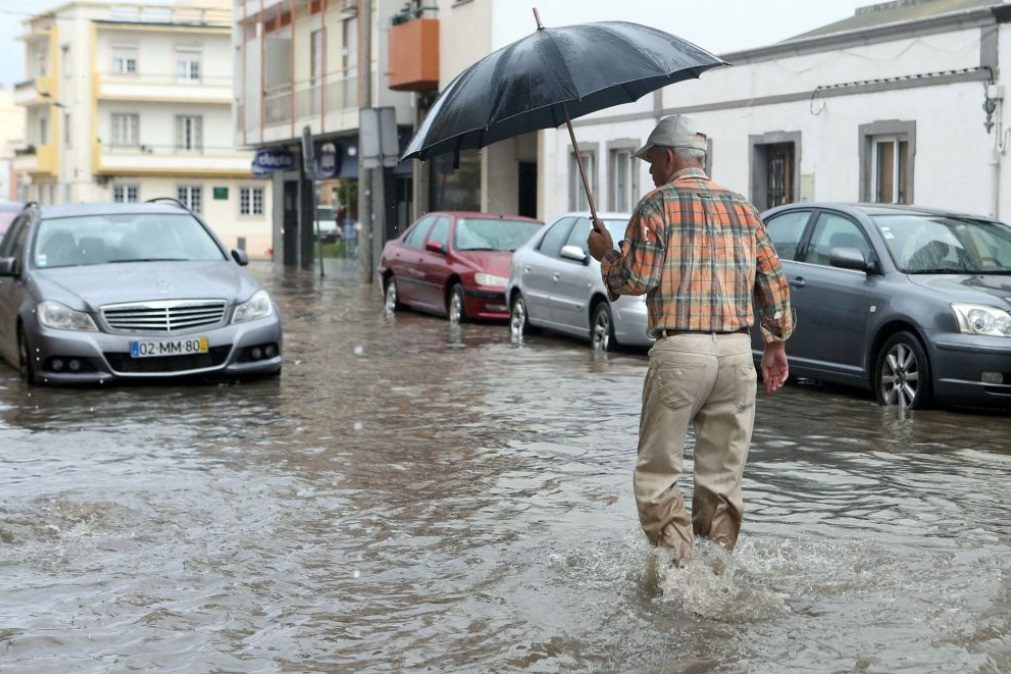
(579, 163)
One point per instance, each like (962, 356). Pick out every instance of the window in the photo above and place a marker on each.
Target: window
(440, 232)
(577, 194)
(416, 237)
(188, 67)
(189, 132)
(251, 201)
(834, 231)
(624, 180)
(887, 150)
(125, 194)
(124, 60)
(65, 65)
(67, 135)
(785, 231)
(316, 56)
(349, 52)
(553, 239)
(43, 130)
(125, 129)
(190, 195)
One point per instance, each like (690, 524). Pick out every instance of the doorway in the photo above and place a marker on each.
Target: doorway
(527, 197)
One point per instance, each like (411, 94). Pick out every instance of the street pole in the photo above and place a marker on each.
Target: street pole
(365, 243)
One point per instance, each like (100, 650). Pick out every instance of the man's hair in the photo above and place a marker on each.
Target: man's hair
(690, 155)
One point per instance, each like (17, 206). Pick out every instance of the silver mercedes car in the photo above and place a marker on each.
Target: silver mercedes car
(97, 292)
(556, 285)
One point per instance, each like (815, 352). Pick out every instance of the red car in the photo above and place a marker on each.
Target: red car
(454, 263)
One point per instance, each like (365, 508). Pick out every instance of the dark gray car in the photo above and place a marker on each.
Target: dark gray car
(911, 302)
(95, 292)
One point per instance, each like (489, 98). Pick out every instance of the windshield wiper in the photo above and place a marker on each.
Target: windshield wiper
(939, 270)
(150, 259)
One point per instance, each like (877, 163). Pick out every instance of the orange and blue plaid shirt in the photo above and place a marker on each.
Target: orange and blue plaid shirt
(700, 253)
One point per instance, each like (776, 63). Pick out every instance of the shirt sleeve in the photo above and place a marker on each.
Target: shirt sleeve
(636, 269)
(772, 291)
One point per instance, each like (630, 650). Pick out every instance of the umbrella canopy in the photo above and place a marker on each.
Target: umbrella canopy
(553, 75)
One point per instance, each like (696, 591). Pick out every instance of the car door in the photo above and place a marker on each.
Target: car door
(537, 273)
(434, 265)
(572, 282)
(12, 288)
(833, 305)
(406, 261)
(786, 230)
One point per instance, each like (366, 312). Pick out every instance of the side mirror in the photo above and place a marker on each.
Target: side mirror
(241, 257)
(850, 258)
(575, 253)
(435, 247)
(8, 266)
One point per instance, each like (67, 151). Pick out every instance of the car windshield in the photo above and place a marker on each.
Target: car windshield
(493, 233)
(131, 237)
(945, 244)
(324, 212)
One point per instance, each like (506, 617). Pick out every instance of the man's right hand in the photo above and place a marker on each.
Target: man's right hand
(599, 241)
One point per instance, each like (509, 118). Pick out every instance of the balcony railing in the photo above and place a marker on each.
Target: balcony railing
(338, 94)
(168, 159)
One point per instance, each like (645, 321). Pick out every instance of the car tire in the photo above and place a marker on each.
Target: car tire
(456, 310)
(392, 296)
(602, 328)
(519, 320)
(902, 373)
(26, 366)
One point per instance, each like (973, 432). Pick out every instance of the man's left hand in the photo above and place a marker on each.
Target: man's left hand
(599, 241)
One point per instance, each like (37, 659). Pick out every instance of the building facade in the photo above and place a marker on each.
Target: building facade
(12, 130)
(128, 102)
(901, 103)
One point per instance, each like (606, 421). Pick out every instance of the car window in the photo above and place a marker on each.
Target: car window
(416, 237)
(785, 231)
(122, 237)
(555, 237)
(7, 246)
(939, 243)
(502, 234)
(581, 230)
(440, 232)
(834, 231)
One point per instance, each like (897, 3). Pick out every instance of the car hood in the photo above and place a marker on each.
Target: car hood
(98, 285)
(968, 287)
(490, 261)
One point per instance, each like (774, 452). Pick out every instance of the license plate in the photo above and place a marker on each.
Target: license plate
(151, 348)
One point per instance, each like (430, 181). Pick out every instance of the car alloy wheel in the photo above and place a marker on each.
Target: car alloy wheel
(456, 310)
(603, 328)
(392, 298)
(903, 373)
(519, 327)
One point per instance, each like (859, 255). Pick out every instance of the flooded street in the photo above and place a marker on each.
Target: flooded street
(413, 497)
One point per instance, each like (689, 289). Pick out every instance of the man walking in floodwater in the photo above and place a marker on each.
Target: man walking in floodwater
(700, 254)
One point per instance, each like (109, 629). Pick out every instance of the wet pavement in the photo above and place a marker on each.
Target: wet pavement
(413, 497)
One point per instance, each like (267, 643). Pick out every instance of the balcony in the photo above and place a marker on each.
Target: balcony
(30, 92)
(159, 160)
(414, 55)
(332, 106)
(133, 87)
(38, 160)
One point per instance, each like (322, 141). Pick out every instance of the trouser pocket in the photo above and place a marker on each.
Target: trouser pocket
(680, 384)
(747, 386)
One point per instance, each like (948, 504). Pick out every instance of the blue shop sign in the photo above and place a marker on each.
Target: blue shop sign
(269, 160)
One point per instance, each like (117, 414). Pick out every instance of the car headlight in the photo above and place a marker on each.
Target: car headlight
(60, 316)
(978, 319)
(483, 279)
(258, 306)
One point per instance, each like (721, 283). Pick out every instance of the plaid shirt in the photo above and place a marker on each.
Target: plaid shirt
(700, 253)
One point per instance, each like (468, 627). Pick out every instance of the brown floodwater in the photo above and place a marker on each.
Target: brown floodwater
(411, 496)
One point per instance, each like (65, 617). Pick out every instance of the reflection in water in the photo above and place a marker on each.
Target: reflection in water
(416, 496)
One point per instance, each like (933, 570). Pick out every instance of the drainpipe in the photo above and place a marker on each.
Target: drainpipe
(995, 103)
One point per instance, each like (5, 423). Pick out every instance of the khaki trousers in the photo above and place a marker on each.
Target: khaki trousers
(708, 381)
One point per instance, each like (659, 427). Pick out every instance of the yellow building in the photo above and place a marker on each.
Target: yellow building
(131, 102)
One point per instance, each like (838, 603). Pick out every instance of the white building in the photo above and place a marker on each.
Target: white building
(129, 102)
(901, 103)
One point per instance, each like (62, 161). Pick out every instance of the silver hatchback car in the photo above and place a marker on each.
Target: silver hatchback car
(555, 284)
(96, 292)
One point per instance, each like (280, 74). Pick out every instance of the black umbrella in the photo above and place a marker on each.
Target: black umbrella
(550, 77)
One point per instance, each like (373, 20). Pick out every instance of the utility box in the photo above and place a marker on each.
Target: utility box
(414, 55)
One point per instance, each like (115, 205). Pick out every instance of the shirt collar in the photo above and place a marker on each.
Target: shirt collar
(689, 172)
